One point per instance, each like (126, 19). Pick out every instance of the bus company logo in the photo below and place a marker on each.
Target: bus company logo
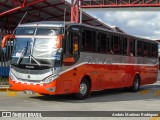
(6, 114)
(29, 76)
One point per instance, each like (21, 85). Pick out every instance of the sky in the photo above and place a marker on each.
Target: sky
(139, 22)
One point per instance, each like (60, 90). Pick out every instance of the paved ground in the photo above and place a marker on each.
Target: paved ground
(147, 99)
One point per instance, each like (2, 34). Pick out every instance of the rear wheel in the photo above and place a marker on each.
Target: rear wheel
(136, 84)
(84, 89)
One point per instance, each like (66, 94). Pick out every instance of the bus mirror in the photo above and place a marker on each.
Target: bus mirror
(5, 39)
(59, 41)
(69, 60)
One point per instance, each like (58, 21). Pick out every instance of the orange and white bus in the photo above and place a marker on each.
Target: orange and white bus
(55, 58)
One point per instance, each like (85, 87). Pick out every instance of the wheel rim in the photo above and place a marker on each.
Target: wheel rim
(136, 83)
(83, 89)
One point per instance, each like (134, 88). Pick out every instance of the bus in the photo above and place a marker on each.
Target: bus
(52, 58)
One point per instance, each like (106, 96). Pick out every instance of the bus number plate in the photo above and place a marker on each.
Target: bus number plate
(29, 92)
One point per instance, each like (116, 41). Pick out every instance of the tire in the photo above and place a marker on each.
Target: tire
(84, 90)
(136, 84)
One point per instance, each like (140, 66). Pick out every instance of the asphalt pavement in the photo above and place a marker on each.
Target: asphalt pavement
(147, 99)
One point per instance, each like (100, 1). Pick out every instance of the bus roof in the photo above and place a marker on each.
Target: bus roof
(43, 23)
(61, 24)
(115, 32)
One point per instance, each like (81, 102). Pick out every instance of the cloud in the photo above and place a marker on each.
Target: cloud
(134, 23)
(139, 23)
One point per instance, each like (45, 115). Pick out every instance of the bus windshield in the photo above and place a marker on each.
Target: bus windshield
(38, 31)
(39, 49)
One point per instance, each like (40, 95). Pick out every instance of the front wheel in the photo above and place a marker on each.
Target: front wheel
(84, 90)
(136, 84)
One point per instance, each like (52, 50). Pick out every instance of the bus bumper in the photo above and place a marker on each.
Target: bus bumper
(34, 87)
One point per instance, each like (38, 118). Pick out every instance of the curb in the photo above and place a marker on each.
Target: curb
(4, 88)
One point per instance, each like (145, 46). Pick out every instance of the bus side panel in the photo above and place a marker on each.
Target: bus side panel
(101, 76)
(149, 74)
(153, 74)
(107, 71)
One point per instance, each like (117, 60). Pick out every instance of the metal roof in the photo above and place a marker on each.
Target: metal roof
(39, 10)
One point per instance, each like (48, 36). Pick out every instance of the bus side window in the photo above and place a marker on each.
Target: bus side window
(83, 39)
(132, 47)
(116, 45)
(116, 48)
(98, 42)
(103, 42)
(145, 51)
(125, 46)
(72, 51)
(154, 50)
(89, 41)
(111, 44)
(108, 43)
(94, 35)
(139, 48)
(75, 41)
(150, 49)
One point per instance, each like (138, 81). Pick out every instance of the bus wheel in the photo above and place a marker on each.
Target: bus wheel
(84, 90)
(136, 84)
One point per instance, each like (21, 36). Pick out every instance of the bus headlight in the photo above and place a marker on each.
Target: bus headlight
(50, 78)
(12, 77)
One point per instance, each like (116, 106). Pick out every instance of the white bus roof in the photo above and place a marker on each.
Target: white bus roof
(43, 24)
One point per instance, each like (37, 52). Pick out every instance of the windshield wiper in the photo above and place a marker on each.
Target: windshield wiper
(31, 56)
(35, 60)
(21, 55)
(23, 52)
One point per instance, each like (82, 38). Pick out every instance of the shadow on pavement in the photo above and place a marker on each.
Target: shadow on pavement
(111, 95)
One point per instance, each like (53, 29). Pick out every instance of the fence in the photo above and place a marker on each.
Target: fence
(5, 57)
